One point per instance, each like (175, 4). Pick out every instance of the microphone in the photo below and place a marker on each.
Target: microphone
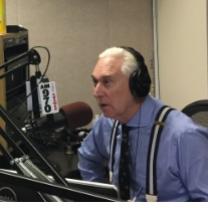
(72, 115)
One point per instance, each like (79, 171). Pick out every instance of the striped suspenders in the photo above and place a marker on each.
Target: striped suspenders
(112, 147)
(151, 177)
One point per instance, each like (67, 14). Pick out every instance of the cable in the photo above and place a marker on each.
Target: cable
(48, 62)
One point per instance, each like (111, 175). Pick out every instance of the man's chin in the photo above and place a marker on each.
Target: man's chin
(108, 114)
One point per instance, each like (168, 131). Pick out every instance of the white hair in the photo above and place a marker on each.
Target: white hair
(129, 64)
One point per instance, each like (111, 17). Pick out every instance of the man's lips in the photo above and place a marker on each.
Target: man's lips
(103, 105)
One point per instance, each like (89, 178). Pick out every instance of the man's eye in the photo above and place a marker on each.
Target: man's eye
(107, 82)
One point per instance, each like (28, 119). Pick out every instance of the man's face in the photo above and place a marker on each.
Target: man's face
(111, 89)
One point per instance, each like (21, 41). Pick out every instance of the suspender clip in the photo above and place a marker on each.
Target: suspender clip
(110, 176)
(151, 198)
(159, 123)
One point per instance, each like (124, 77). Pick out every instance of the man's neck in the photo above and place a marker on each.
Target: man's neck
(132, 111)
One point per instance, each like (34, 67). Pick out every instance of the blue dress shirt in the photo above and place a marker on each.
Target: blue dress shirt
(182, 161)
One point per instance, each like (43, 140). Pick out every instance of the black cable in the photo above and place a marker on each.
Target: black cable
(48, 62)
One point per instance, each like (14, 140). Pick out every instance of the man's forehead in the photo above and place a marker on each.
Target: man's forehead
(108, 73)
(107, 66)
(104, 75)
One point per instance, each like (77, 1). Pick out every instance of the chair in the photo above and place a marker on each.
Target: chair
(198, 111)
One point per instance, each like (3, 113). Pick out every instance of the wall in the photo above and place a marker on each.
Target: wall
(75, 31)
(182, 51)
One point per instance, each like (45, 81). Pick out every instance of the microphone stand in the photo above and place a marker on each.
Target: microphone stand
(32, 58)
(44, 185)
(24, 164)
(4, 115)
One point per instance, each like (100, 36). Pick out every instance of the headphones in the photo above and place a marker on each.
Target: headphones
(139, 80)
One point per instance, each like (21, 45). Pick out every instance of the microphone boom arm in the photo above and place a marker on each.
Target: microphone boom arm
(32, 56)
(6, 118)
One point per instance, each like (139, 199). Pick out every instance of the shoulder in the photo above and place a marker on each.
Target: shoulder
(183, 128)
(182, 122)
(103, 124)
(96, 143)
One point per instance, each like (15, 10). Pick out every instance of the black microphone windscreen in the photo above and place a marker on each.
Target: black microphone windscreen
(77, 114)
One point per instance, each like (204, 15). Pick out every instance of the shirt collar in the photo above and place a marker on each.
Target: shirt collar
(146, 114)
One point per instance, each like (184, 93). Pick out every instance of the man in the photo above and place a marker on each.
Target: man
(121, 88)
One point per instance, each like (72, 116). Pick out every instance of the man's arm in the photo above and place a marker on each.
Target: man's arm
(193, 156)
(92, 157)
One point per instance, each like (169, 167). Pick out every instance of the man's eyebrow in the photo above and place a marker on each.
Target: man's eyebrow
(93, 78)
(103, 77)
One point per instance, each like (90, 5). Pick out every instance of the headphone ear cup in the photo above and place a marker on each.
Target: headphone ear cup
(134, 84)
(139, 80)
(139, 83)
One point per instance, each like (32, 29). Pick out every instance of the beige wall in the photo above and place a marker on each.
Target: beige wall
(182, 51)
(75, 31)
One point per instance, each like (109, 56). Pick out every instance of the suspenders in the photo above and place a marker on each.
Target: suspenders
(151, 177)
(112, 147)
